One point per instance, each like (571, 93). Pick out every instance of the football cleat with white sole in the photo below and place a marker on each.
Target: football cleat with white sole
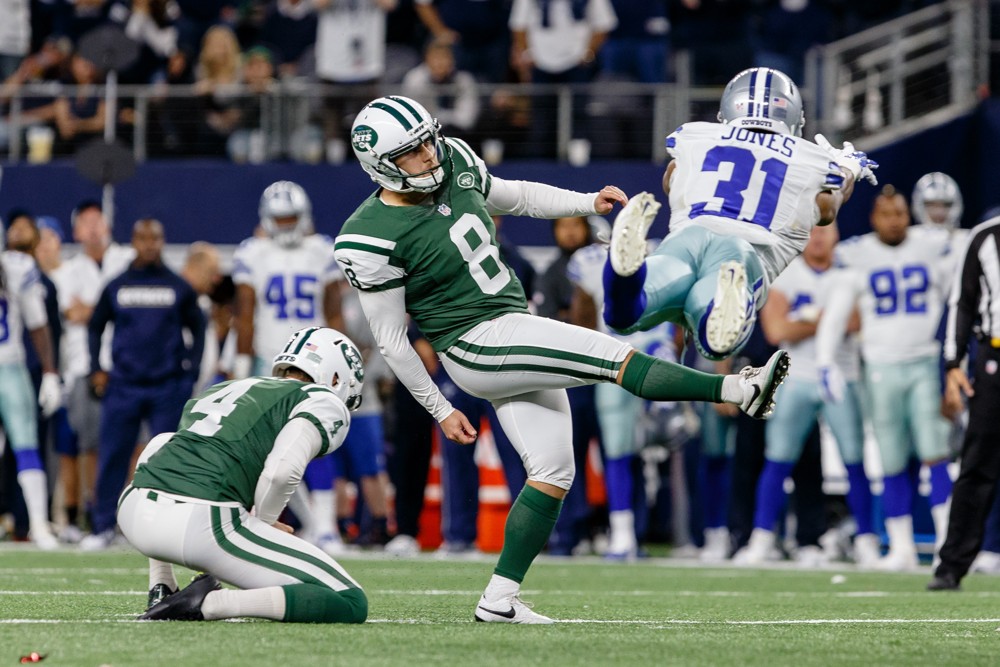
(717, 545)
(731, 308)
(44, 539)
(157, 594)
(811, 557)
(184, 605)
(403, 546)
(901, 560)
(510, 609)
(987, 562)
(761, 548)
(628, 236)
(867, 551)
(759, 384)
(98, 541)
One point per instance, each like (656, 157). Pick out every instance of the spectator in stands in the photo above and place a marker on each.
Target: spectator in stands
(198, 16)
(350, 49)
(146, 302)
(784, 31)
(456, 105)
(247, 141)
(150, 23)
(637, 49)
(15, 35)
(80, 115)
(172, 129)
(289, 30)
(81, 16)
(557, 41)
(477, 31)
(217, 84)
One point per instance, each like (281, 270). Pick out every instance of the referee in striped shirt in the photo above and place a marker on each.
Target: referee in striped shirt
(974, 311)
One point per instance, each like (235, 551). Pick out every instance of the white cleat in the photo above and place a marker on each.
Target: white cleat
(628, 236)
(98, 541)
(403, 546)
(760, 383)
(867, 551)
(44, 539)
(508, 610)
(726, 322)
(811, 557)
(987, 562)
(717, 545)
(760, 549)
(898, 561)
(332, 545)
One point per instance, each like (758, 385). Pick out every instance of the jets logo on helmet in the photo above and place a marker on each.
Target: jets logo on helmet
(388, 128)
(285, 199)
(327, 356)
(765, 99)
(937, 200)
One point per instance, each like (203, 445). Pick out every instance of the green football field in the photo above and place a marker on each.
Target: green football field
(79, 609)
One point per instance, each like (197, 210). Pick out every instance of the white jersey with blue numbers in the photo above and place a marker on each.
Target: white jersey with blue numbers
(756, 185)
(586, 270)
(900, 292)
(809, 289)
(22, 304)
(289, 285)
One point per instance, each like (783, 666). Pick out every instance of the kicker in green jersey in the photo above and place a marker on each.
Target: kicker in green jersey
(226, 434)
(443, 252)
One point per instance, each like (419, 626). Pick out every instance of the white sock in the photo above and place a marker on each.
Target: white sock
(940, 515)
(36, 498)
(323, 509)
(162, 573)
(900, 530)
(622, 530)
(257, 602)
(500, 588)
(732, 390)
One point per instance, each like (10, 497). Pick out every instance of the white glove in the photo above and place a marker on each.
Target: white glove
(831, 384)
(50, 394)
(855, 161)
(242, 366)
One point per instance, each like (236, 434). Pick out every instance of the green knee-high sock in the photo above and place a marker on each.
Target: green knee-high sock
(314, 603)
(658, 380)
(529, 525)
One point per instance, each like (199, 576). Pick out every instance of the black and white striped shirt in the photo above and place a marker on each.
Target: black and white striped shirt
(974, 306)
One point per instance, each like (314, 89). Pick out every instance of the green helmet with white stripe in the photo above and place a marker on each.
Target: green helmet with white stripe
(388, 128)
(327, 356)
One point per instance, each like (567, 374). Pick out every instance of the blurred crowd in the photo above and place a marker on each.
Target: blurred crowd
(233, 53)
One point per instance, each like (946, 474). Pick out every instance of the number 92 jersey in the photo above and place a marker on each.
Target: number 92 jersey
(443, 252)
(764, 182)
(289, 285)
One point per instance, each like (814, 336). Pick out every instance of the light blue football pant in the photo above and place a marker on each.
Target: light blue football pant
(905, 400)
(718, 435)
(681, 278)
(18, 407)
(797, 403)
(618, 413)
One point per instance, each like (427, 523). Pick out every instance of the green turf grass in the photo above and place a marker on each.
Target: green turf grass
(650, 613)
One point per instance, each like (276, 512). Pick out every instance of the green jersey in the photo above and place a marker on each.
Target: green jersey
(442, 252)
(226, 434)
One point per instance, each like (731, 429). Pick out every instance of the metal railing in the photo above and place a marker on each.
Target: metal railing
(902, 76)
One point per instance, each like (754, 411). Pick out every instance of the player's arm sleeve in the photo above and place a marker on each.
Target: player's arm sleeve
(369, 263)
(833, 323)
(242, 274)
(298, 443)
(962, 303)
(95, 329)
(537, 200)
(386, 314)
(834, 177)
(31, 297)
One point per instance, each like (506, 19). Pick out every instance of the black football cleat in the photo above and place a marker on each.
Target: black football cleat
(184, 605)
(157, 594)
(946, 581)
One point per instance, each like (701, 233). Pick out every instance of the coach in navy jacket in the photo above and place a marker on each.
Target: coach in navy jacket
(153, 370)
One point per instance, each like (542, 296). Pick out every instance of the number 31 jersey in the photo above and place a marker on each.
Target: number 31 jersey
(443, 252)
(756, 185)
(289, 285)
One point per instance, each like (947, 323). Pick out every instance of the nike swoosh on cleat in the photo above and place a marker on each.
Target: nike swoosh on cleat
(506, 614)
(756, 393)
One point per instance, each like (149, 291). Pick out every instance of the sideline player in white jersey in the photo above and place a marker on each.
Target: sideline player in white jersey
(744, 194)
(209, 496)
(790, 318)
(22, 306)
(286, 280)
(899, 280)
(618, 412)
(937, 204)
(424, 243)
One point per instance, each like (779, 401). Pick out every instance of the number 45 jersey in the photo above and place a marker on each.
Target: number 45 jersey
(443, 252)
(900, 292)
(756, 185)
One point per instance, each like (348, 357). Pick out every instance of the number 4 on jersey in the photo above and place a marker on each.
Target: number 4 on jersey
(218, 405)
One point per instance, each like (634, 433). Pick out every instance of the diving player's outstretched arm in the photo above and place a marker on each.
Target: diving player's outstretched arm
(386, 315)
(538, 200)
